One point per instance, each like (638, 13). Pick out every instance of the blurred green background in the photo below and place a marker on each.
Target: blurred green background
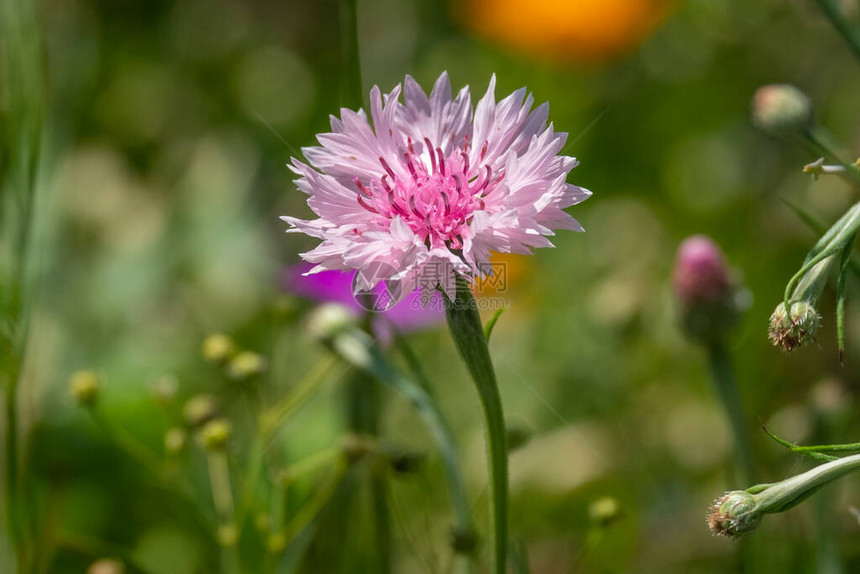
(168, 132)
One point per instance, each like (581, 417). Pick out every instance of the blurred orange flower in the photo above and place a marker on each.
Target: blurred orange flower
(572, 30)
(509, 269)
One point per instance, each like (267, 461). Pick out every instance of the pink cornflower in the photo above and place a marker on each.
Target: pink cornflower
(432, 189)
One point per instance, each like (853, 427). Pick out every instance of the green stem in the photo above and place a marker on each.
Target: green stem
(222, 495)
(849, 32)
(789, 493)
(356, 348)
(13, 515)
(464, 323)
(364, 404)
(724, 382)
(823, 143)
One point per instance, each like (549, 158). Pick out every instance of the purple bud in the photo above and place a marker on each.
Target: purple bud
(704, 289)
(701, 272)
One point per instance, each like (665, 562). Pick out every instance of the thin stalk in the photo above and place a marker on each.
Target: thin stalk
(724, 382)
(464, 323)
(792, 491)
(310, 510)
(846, 29)
(363, 407)
(222, 495)
(823, 144)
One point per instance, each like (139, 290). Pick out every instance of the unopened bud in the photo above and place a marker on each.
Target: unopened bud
(106, 566)
(215, 434)
(84, 387)
(328, 320)
(781, 108)
(200, 409)
(246, 365)
(228, 535)
(734, 514)
(164, 388)
(790, 331)
(276, 542)
(174, 440)
(218, 348)
(604, 511)
(707, 298)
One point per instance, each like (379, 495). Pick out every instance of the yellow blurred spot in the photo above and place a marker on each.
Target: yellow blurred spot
(508, 269)
(579, 30)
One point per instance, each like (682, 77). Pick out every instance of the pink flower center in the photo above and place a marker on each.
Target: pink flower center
(437, 203)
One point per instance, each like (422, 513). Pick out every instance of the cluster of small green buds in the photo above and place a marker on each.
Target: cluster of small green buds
(792, 329)
(781, 109)
(245, 366)
(200, 409)
(106, 566)
(215, 434)
(604, 511)
(84, 387)
(174, 440)
(218, 348)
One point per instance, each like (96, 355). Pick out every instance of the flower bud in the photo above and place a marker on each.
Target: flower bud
(781, 108)
(276, 542)
(174, 441)
(228, 535)
(217, 348)
(463, 540)
(734, 514)
(246, 365)
(707, 298)
(106, 566)
(604, 511)
(200, 409)
(84, 387)
(328, 320)
(790, 331)
(215, 434)
(164, 388)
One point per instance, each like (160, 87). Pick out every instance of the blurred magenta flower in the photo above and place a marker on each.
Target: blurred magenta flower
(701, 272)
(708, 298)
(432, 188)
(337, 287)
